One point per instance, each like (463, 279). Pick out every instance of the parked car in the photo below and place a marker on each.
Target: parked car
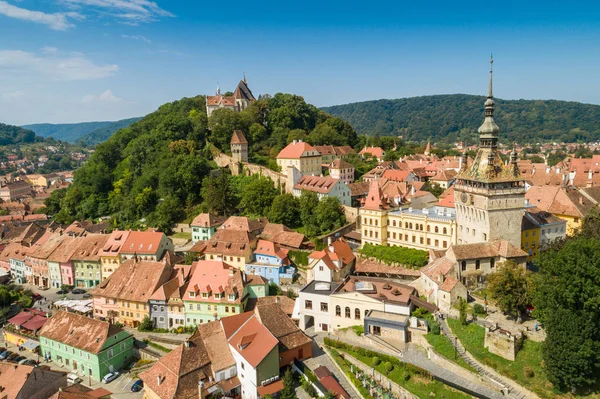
(110, 377)
(19, 358)
(137, 386)
(2, 349)
(73, 378)
(12, 356)
(78, 291)
(22, 361)
(5, 354)
(86, 296)
(62, 292)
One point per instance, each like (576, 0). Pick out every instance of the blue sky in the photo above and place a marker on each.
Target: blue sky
(83, 60)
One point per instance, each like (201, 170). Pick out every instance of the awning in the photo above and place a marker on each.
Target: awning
(35, 323)
(271, 388)
(20, 318)
(31, 344)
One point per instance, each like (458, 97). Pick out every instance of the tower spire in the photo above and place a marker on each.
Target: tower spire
(490, 95)
(488, 131)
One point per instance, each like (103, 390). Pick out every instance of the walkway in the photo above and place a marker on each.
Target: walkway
(515, 391)
(419, 359)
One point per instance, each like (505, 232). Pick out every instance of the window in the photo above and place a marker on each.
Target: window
(445, 244)
(324, 307)
(428, 228)
(477, 264)
(226, 309)
(307, 304)
(347, 312)
(320, 268)
(463, 265)
(357, 314)
(421, 240)
(338, 311)
(437, 230)
(445, 231)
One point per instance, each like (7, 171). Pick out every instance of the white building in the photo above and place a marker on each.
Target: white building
(324, 187)
(314, 305)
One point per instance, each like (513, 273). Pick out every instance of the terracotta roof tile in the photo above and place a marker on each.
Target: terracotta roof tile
(253, 341)
(238, 137)
(297, 150)
(142, 242)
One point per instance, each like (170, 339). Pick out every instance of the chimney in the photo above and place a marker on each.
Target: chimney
(581, 200)
(329, 240)
(200, 389)
(187, 343)
(158, 379)
(295, 141)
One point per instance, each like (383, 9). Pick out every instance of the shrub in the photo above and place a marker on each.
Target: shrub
(478, 309)
(529, 373)
(388, 367)
(392, 255)
(420, 313)
(434, 327)
(375, 361)
(406, 377)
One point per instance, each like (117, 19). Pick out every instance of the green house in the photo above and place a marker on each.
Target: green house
(89, 346)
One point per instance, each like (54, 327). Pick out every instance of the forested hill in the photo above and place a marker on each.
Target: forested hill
(16, 135)
(73, 132)
(153, 169)
(456, 117)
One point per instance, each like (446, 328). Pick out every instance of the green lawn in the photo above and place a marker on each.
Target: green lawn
(415, 380)
(527, 369)
(187, 236)
(443, 346)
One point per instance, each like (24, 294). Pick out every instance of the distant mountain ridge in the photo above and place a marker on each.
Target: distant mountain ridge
(74, 132)
(10, 134)
(456, 117)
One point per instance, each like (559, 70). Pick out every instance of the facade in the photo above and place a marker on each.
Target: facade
(425, 229)
(272, 263)
(530, 237)
(332, 264)
(239, 146)
(302, 156)
(38, 258)
(236, 247)
(61, 258)
(314, 305)
(15, 253)
(105, 348)
(15, 191)
(110, 258)
(439, 284)
(145, 245)
(324, 187)
(331, 153)
(86, 260)
(166, 304)
(215, 290)
(489, 195)
(342, 170)
(204, 226)
(239, 101)
(124, 297)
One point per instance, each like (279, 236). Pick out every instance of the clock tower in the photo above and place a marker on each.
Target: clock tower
(489, 195)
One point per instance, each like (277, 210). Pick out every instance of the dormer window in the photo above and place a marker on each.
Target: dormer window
(192, 294)
(205, 295)
(232, 297)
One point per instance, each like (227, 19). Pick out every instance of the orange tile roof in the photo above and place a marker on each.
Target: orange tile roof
(253, 341)
(142, 242)
(238, 137)
(297, 150)
(269, 248)
(78, 331)
(396, 175)
(12, 379)
(281, 326)
(375, 151)
(215, 277)
(340, 164)
(115, 243)
(207, 220)
(375, 199)
(228, 101)
(90, 246)
(317, 184)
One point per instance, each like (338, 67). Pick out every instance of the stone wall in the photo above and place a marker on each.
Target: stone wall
(351, 215)
(502, 342)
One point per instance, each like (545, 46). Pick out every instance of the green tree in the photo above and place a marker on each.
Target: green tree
(512, 287)
(222, 123)
(218, 194)
(52, 203)
(308, 203)
(566, 302)
(146, 324)
(463, 307)
(286, 210)
(329, 215)
(167, 213)
(257, 196)
(288, 385)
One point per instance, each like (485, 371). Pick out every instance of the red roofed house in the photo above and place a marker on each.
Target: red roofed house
(110, 258)
(324, 187)
(340, 169)
(377, 152)
(240, 100)
(272, 262)
(332, 264)
(23, 328)
(302, 156)
(28, 382)
(146, 245)
(400, 175)
(438, 283)
(204, 226)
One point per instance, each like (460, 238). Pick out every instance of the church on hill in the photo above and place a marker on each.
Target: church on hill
(240, 100)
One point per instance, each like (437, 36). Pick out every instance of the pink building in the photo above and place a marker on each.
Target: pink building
(105, 308)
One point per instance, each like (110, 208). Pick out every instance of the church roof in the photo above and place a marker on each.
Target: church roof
(238, 137)
(242, 91)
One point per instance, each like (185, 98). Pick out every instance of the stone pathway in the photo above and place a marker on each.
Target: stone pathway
(418, 358)
(514, 390)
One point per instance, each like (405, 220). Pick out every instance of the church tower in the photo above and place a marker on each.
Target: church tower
(489, 195)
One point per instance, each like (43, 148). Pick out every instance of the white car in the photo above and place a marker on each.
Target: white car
(110, 377)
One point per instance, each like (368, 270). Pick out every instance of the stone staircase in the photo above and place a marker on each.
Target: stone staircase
(509, 389)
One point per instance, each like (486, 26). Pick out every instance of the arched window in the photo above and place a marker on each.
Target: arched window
(357, 314)
(437, 230)
(347, 312)
(410, 226)
(338, 311)
(428, 228)
(406, 225)
(394, 223)
(445, 231)
(376, 222)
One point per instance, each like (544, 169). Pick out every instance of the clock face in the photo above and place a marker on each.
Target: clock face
(463, 197)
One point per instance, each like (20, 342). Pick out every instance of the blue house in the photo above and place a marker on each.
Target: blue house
(272, 263)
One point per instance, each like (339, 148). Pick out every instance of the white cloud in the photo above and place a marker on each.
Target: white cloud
(56, 21)
(49, 50)
(131, 11)
(53, 66)
(137, 37)
(106, 97)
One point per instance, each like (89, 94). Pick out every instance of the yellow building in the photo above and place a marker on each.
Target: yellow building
(109, 255)
(424, 229)
(302, 156)
(530, 237)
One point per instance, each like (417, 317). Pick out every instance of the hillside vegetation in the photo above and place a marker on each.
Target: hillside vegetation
(16, 135)
(73, 132)
(152, 171)
(456, 117)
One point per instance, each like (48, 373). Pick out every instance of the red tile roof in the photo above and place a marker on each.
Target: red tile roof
(375, 151)
(142, 242)
(115, 243)
(253, 341)
(317, 184)
(238, 137)
(207, 220)
(296, 150)
(396, 175)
